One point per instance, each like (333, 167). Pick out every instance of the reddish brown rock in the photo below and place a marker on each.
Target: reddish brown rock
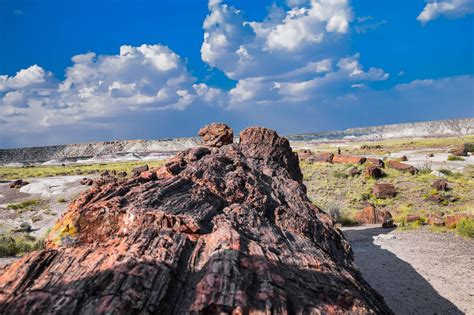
(440, 185)
(452, 220)
(148, 175)
(441, 198)
(348, 159)
(376, 162)
(86, 181)
(413, 217)
(384, 191)
(18, 183)
(459, 151)
(354, 171)
(321, 158)
(371, 215)
(139, 169)
(374, 172)
(402, 167)
(435, 219)
(231, 231)
(216, 135)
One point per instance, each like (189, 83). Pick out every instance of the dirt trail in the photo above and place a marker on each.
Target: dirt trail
(418, 271)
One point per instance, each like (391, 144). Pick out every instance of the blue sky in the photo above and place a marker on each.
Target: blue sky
(294, 66)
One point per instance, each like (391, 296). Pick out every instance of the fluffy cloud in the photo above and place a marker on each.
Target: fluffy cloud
(449, 8)
(291, 56)
(97, 88)
(284, 41)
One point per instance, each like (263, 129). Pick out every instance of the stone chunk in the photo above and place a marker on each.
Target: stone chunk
(216, 135)
(371, 215)
(139, 169)
(440, 185)
(348, 159)
(376, 162)
(384, 191)
(402, 167)
(374, 172)
(18, 183)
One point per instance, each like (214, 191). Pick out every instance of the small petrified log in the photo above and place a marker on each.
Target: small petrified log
(372, 215)
(18, 183)
(348, 159)
(440, 185)
(384, 191)
(374, 172)
(321, 158)
(402, 167)
(376, 162)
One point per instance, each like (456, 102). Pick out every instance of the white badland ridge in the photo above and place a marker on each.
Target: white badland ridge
(131, 150)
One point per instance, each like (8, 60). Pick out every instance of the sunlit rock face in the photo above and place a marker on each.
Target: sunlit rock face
(224, 228)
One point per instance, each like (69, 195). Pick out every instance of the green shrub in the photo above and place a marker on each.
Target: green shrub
(346, 219)
(61, 200)
(12, 246)
(455, 158)
(24, 205)
(465, 227)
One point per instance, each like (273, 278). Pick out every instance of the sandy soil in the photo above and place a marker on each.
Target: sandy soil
(49, 190)
(418, 271)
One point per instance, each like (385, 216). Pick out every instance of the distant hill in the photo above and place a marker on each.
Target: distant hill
(439, 128)
(137, 149)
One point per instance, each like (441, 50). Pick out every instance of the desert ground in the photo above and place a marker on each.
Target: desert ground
(417, 268)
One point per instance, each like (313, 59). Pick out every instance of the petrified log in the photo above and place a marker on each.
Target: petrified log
(376, 162)
(459, 151)
(384, 191)
(440, 185)
(230, 232)
(402, 167)
(139, 169)
(372, 215)
(374, 172)
(348, 159)
(435, 219)
(453, 219)
(413, 217)
(323, 157)
(18, 183)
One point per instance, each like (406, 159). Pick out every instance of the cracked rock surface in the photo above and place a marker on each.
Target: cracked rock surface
(226, 228)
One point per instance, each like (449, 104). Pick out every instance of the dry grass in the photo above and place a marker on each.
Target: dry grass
(11, 173)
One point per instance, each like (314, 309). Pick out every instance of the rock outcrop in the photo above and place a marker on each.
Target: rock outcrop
(223, 229)
(216, 135)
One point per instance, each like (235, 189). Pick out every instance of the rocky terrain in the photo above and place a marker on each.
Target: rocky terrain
(136, 150)
(223, 228)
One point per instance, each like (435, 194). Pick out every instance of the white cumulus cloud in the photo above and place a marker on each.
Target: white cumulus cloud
(288, 56)
(448, 8)
(97, 87)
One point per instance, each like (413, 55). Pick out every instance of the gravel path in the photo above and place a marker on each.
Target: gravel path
(418, 271)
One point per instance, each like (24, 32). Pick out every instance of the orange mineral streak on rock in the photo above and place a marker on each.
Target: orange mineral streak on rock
(225, 228)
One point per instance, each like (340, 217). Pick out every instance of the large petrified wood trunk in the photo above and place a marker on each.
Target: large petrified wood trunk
(218, 229)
